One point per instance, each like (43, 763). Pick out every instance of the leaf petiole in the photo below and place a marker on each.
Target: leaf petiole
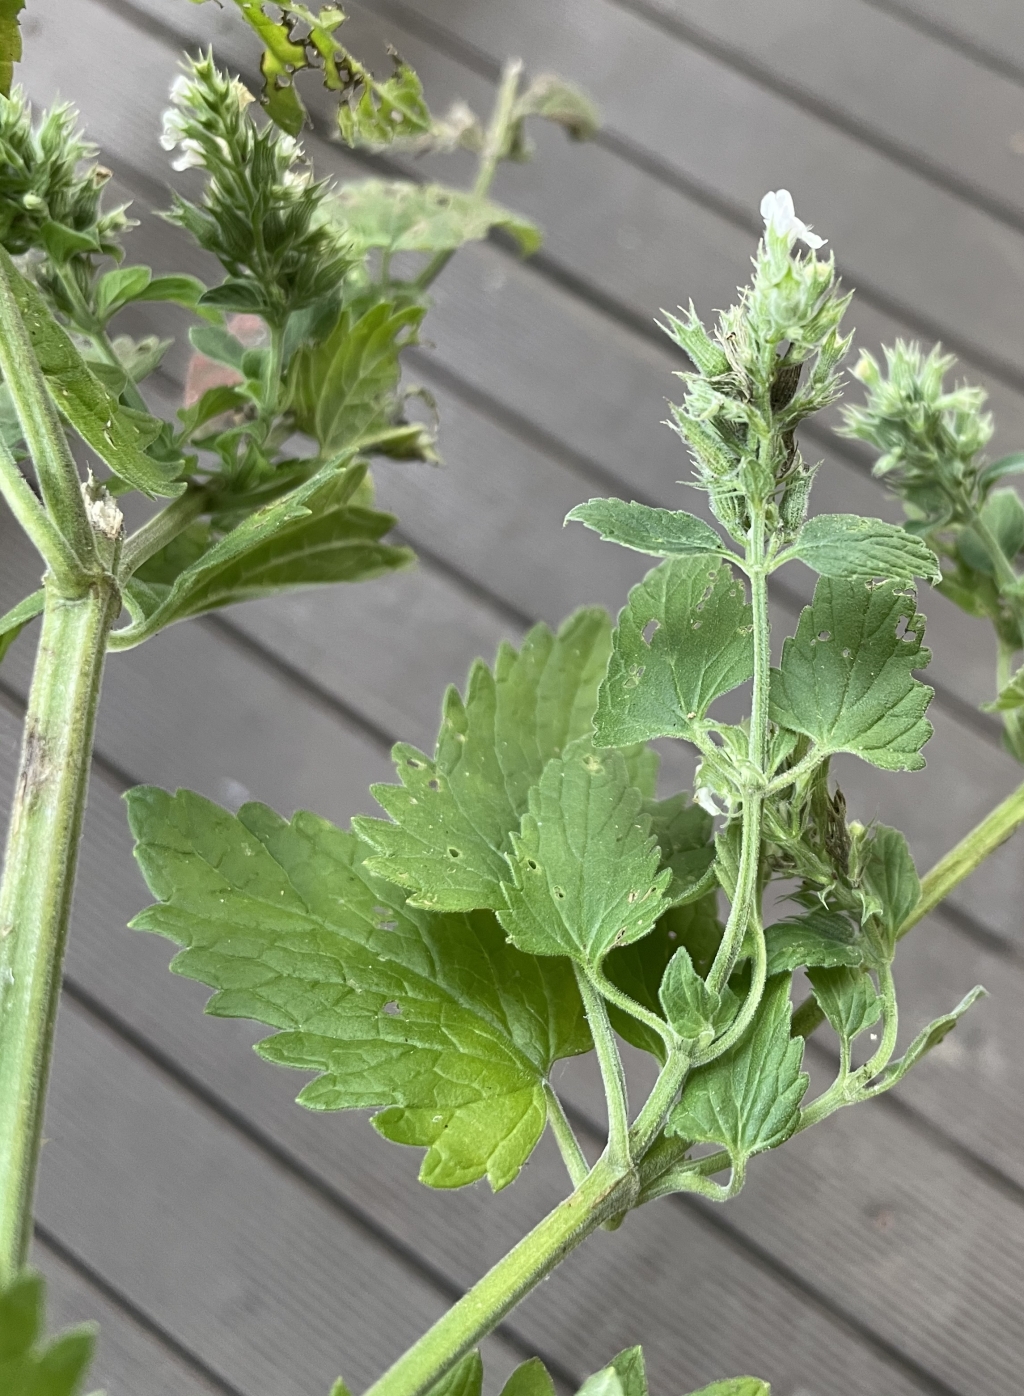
(612, 1075)
(568, 1145)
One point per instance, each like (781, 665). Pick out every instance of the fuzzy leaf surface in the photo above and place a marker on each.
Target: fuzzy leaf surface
(685, 835)
(846, 679)
(847, 545)
(818, 937)
(584, 866)
(29, 1365)
(311, 537)
(923, 1043)
(118, 436)
(749, 1098)
(700, 646)
(889, 886)
(435, 1018)
(398, 216)
(454, 815)
(657, 532)
(848, 999)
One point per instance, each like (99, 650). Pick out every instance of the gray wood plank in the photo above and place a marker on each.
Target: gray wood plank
(988, 29)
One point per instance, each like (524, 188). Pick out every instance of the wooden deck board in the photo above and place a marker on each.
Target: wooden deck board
(552, 386)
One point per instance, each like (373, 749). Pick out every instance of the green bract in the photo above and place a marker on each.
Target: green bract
(30, 1366)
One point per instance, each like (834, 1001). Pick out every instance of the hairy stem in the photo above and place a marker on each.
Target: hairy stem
(605, 1193)
(50, 543)
(161, 529)
(961, 860)
(612, 1075)
(568, 1145)
(38, 879)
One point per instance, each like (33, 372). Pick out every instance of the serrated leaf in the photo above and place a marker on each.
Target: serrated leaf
(700, 648)
(846, 676)
(818, 937)
(889, 886)
(118, 436)
(530, 1378)
(690, 1006)
(847, 545)
(454, 815)
(313, 536)
(343, 389)
(436, 1018)
(930, 1037)
(735, 1386)
(399, 216)
(30, 1365)
(749, 1098)
(657, 532)
(685, 835)
(848, 999)
(10, 42)
(1010, 697)
(15, 620)
(584, 866)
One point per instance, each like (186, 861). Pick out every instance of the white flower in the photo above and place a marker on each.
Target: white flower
(780, 216)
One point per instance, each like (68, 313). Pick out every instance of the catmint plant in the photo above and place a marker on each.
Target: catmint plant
(529, 898)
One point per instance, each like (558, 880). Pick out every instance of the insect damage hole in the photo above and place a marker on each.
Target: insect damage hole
(650, 630)
(455, 853)
(392, 1008)
(905, 628)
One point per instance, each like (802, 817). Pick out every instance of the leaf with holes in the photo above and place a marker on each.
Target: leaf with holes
(398, 216)
(846, 679)
(657, 532)
(748, 1099)
(453, 816)
(29, 1365)
(683, 639)
(584, 866)
(847, 545)
(437, 1019)
(848, 999)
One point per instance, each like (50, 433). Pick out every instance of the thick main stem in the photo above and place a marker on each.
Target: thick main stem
(604, 1194)
(38, 880)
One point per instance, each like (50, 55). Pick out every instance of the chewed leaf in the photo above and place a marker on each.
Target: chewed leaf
(847, 545)
(30, 1364)
(749, 1098)
(846, 679)
(399, 216)
(437, 1019)
(454, 815)
(584, 867)
(683, 639)
(560, 101)
(930, 1037)
(657, 532)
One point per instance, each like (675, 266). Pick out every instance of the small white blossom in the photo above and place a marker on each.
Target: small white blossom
(780, 216)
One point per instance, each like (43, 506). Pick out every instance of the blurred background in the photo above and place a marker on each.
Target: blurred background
(230, 1242)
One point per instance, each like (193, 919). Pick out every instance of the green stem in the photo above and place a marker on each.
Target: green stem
(961, 860)
(1013, 719)
(635, 1010)
(38, 879)
(651, 1119)
(605, 1193)
(743, 1018)
(568, 1145)
(612, 1074)
(161, 529)
(50, 543)
(58, 477)
(494, 150)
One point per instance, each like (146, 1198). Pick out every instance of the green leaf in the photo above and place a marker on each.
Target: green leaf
(560, 101)
(631, 1371)
(116, 435)
(749, 1098)
(238, 295)
(1012, 464)
(1003, 513)
(1010, 697)
(890, 889)
(466, 1378)
(312, 536)
(10, 42)
(530, 1378)
(62, 243)
(177, 290)
(685, 835)
(735, 1386)
(344, 388)
(930, 1037)
(818, 937)
(701, 647)
(584, 867)
(848, 999)
(219, 344)
(658, 532)
(847, 545)
(399, 216)
(116, 288)
(454, 815)
(690, 1006)
(14, 622)
(436, 1018)
(846, 676)
(28, 1365)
